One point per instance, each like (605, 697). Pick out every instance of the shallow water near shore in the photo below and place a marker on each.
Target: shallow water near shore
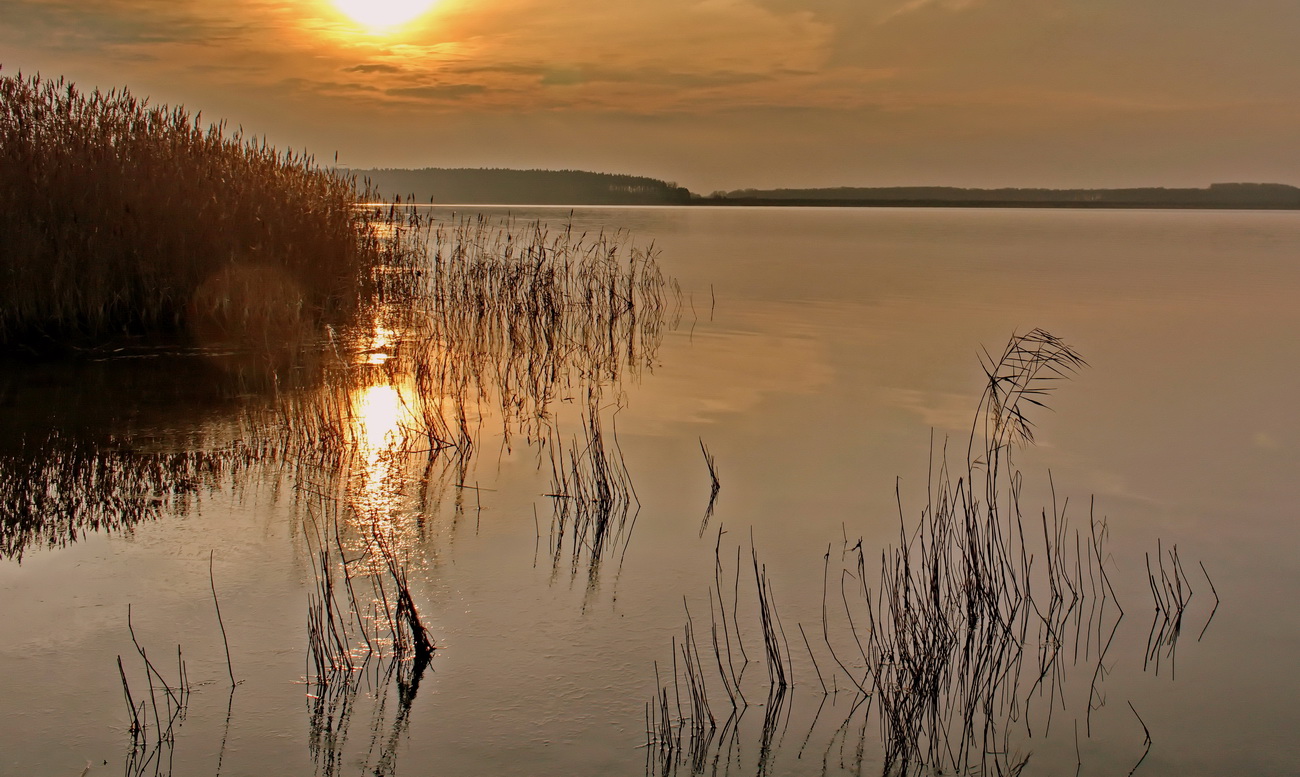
(828, 359)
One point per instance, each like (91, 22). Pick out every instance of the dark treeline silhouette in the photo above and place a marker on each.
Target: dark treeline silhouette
(522, 187)
(499, 186)
(1219, 195)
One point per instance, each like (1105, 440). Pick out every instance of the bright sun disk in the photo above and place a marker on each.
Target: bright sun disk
(383, 13)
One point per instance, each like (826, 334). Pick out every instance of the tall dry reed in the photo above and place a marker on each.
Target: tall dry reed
(122, 216)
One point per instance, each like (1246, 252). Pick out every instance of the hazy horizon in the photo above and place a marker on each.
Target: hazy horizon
(781, 187)
(719, 94)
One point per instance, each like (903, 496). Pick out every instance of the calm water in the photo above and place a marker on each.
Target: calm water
(821, 355)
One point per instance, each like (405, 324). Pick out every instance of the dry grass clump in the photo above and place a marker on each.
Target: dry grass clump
(121, 216)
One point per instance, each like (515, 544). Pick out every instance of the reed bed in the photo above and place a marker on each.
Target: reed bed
(961, 641)
(523, 312)
(967, 630)
(126, 219)
(466, 319)
(122, 216)
(448, 367)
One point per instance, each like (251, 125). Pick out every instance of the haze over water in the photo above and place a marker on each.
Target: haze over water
(825, 356)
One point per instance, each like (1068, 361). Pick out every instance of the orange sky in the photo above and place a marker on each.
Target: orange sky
(720, 94)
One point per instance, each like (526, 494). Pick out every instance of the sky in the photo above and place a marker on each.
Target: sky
(719, 94)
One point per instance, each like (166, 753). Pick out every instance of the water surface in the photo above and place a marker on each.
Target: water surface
(825, 356)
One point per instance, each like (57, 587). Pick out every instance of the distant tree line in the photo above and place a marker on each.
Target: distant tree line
(497, 186)
(1219, 195)
(522, 187)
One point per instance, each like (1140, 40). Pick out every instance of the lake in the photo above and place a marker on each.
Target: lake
(829, 361)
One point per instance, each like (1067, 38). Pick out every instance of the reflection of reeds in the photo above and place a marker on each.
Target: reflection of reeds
(53, 492)
(687, 736)
(1172, 592)
(714, 485)
(151, 747)
(338, 638)
(591, 493)
(470, 319)
(375, 636)
(1146, 739)
(967, 632)
(1215, 593)
(332, 706)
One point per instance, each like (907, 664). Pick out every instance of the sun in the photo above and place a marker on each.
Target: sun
(383, 14)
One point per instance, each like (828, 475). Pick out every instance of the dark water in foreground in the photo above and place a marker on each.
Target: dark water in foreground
(824, 357)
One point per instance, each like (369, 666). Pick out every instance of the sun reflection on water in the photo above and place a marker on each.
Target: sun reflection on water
(381, 422)
(379, 350)
(379, 415)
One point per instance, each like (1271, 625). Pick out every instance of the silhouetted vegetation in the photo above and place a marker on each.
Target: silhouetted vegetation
(522, 187)
(1219, 195)
(120, 216)
(456, 186)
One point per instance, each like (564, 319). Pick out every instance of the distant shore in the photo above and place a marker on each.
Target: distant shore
(467, 186)
(751, 202)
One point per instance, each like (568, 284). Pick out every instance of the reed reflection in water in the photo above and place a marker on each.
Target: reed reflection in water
(376, 433)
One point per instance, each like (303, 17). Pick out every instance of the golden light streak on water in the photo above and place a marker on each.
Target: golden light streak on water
(378, 351)
(382, 423)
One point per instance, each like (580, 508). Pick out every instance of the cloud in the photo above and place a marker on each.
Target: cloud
(75, 26)
(1265, 441)
(611, 56)
(648, 76)
(437, 91)
(373, 68)
(912, 6)
(315, 86)
(494, 55)
(947, 85)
